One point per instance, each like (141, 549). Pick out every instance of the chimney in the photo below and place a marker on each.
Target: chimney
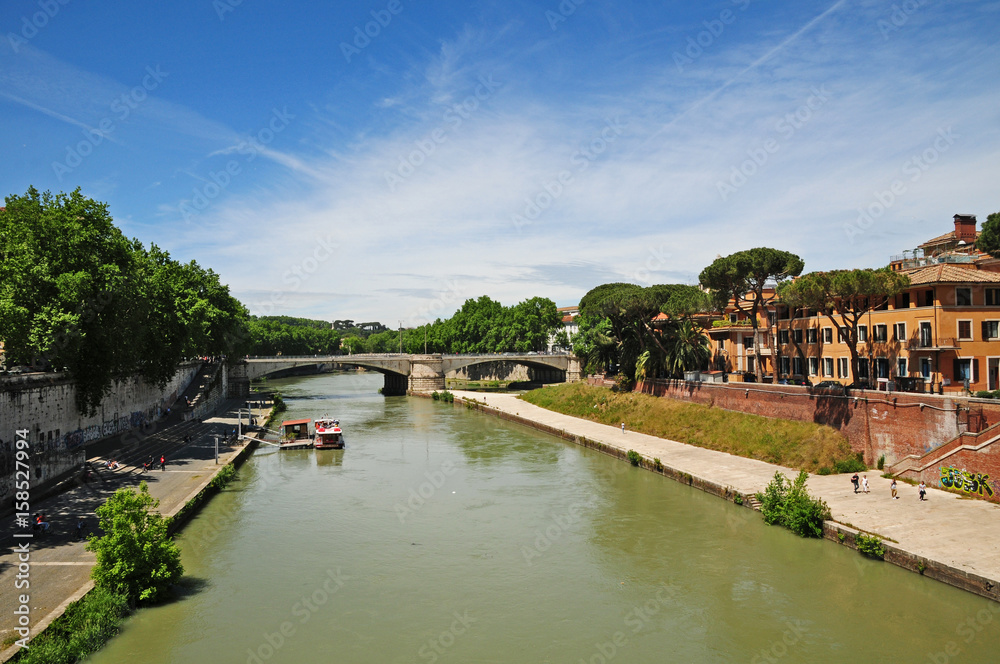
(965, 228)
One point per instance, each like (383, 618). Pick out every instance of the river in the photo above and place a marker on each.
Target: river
(444, 535)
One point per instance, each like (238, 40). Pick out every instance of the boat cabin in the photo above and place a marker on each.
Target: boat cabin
(294, 429)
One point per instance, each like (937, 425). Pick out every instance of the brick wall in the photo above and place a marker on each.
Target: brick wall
(895, 424)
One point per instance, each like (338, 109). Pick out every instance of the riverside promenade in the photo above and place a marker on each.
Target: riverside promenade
(956, 539)
(60, 567)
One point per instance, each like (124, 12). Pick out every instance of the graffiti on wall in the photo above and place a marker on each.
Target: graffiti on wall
(967, 481)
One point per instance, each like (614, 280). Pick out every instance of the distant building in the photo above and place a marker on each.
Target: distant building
(570, 324)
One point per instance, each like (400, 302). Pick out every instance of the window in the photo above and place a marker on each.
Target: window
(966, 370)
(991, 329)
(929, 298)
(782, 336)
(963, 297)
(828, 367)
(965, 329)
(796, 366)
(901, 367)
(904, 301)
(813, 366)
(926, 338)
(842, 335)
(993, 297)
(748, 342)
(844, 367)
(862, 334)
(785, 365)
(797, 335)
(925, 367)
(732, 318)
(882, 367)
(771, 318)
(828, 335)
(899, 332)
(880, 333)
(811, 335)
(863, 368)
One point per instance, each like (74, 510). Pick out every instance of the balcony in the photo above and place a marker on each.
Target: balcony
(941, 343)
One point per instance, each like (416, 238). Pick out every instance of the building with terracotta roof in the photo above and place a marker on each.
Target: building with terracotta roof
(941, 334)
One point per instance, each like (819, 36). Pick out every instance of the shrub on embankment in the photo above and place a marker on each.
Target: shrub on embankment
(800, 445)
(788, 504)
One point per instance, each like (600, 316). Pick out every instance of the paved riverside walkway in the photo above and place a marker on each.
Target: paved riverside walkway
(60, 567)
(962, 533)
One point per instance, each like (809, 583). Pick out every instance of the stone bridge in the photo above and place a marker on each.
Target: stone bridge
(405, 373)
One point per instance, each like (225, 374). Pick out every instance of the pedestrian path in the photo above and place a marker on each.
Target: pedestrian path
(59, 566)
(957, 532)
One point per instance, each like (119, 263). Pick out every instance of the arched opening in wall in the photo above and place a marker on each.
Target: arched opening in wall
(503, 374)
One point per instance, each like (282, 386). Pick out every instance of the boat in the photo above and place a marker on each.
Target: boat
(295, 435)
(329, 435)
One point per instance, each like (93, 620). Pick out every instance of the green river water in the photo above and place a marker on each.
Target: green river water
(444, 535)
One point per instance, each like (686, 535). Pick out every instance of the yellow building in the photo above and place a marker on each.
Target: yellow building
(942, 333)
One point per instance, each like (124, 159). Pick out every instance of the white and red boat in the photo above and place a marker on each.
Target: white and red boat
(329, 435)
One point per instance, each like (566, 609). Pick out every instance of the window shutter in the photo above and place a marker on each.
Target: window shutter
(986, 331)
(975, 370)
(955, 370)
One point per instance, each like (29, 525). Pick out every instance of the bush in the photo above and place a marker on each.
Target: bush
(881, 462)
(852, 465)
(870, 545)
(825, 470)
(634, 457)
(435, 395)
(657, 465)
(135, 556)
(623, 383)
(224, 477)
(788, 504)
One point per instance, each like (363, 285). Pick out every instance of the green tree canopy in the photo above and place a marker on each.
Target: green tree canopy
(989, 237)
(742, 277)
(75, 292)
(845, 296)
(135, 555)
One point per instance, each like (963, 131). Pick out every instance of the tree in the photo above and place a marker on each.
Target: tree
(848, 295)
(135, 555)
(69, 290)
(989, 237)
(742, 278)
(76, 293)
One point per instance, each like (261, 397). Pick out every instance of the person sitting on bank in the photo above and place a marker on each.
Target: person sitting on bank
(41, 522)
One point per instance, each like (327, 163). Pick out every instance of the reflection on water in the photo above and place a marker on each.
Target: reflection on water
(443, 535)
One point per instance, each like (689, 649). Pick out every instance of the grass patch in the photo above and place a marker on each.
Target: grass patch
(83, 629)
(801, 445)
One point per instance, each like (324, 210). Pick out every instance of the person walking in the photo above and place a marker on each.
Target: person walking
(163, 462)
(892, 487)
(922, 488)
(81, 526)
(854, 481)
(864, 484)
(623, 427)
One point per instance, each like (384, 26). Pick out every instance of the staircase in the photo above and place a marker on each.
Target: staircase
(752, 502)
(197, 389)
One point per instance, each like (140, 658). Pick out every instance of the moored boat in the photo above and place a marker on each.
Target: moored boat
(329, 435)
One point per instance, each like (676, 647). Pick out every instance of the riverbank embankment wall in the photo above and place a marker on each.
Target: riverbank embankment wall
(45, 405)
(896, 424)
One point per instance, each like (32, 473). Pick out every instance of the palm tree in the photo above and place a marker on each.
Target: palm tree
(688, 349)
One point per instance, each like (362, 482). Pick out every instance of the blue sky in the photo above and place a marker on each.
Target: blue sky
(505, 148)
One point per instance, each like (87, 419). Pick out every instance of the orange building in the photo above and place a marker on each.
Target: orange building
(942, 333)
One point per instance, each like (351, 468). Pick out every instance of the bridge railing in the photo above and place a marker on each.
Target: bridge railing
(345, 358)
